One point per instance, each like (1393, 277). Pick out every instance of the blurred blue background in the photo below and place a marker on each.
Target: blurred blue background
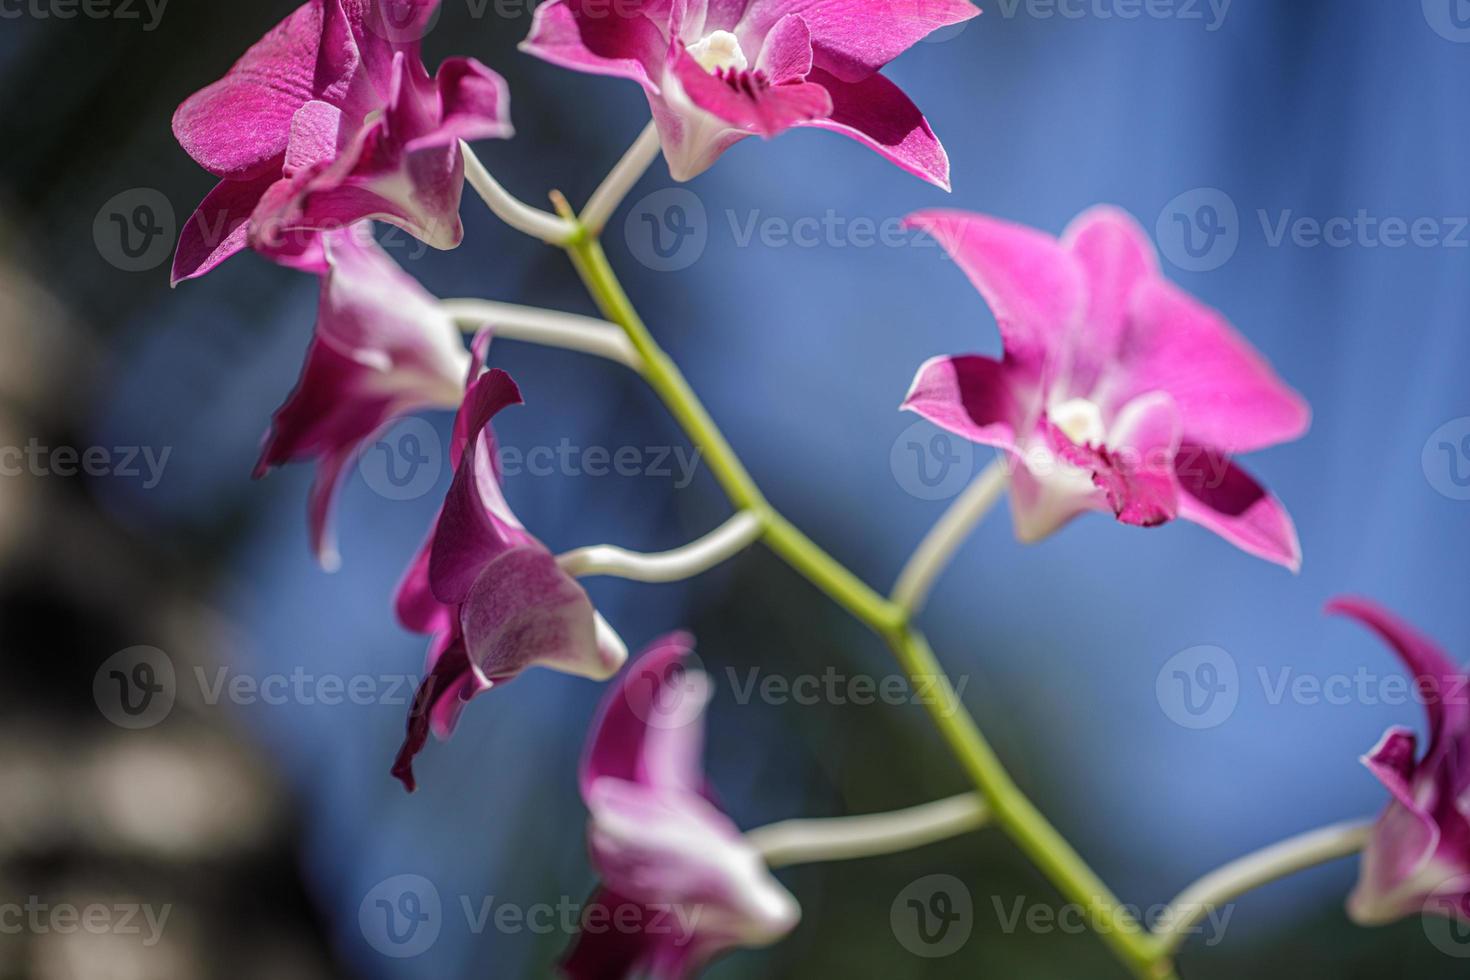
(1269, 111)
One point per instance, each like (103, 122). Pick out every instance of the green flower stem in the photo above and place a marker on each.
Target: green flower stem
(1013, 812)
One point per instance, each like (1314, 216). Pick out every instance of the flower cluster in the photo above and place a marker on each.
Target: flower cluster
(1115, 392)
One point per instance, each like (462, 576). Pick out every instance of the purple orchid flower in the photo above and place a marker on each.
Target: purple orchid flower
(492, 596)
(1117, 391)
(383, 349)
(329, 119)
(1418, 857)
(717, 71)
(680, 884)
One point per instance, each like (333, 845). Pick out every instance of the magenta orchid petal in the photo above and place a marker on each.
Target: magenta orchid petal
(490, 592)
(1228, 395)
(657, 840)
(718, 72)
(1031, 284)
(447, 687)
(1115, 256)
(1116, 391)
(575, 34)
(524, 611)
(974, 397)
(329, 120)
(1442, 683)
(1417, 859)
(855, 38)
(1221, 497)
(382, 349)
(651, 728)
(219, 228)
(237, 128)
(604, 952)
(877, 114)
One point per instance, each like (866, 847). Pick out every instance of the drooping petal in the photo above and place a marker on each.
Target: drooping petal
(1442, 682)
(677, 849)
(237, 128)
(650, 728)
(524, 611)
(974, 397)
(665, 950)
(1398, 868)
(877, 113)
(1228, 395)
(382, 349)
(855, 38)
(1220, 496)
(450, 684)
(1032, 285)
(219, 228)
(1046, 494)
(414, 601)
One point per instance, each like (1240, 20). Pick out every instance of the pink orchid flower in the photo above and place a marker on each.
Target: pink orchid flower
(680, 884)
(1117, 392)
(1418, 857)
(383, 348)
(329, 119)
(492, 595)
(717, 71)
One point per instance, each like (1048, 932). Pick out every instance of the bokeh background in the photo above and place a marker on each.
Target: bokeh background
(266, 824)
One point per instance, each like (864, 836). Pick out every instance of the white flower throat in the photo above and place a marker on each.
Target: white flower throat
(1081, 420)
(718, 50)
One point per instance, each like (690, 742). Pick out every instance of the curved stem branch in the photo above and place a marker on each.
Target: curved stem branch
(842, 838)
(1254, 870)
(939, 546)
(1013, 811)
(549, 328)
(721, 544)
(610, 193)
(519, 215)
